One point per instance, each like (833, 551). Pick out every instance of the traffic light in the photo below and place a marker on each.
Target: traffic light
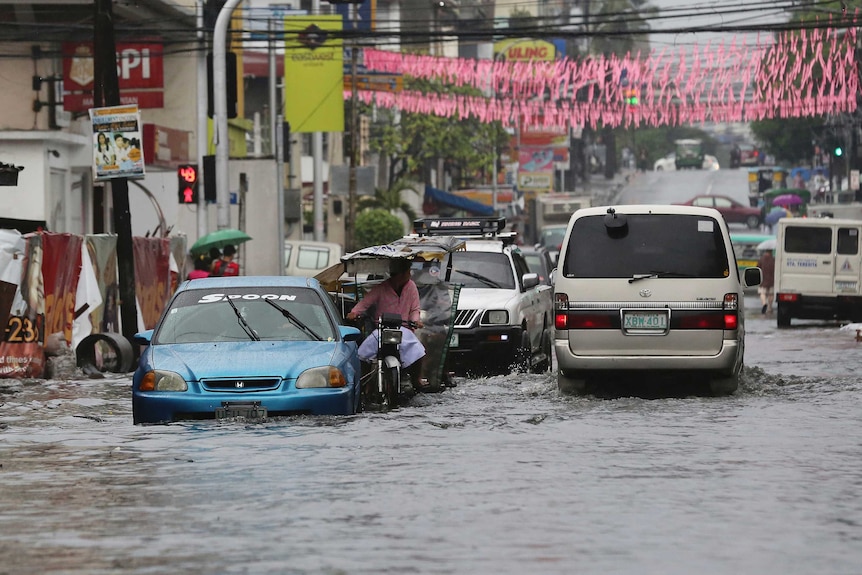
(839, 151)
(631, 96)
(187, 178)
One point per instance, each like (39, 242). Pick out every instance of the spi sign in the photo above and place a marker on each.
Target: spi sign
(140, 70)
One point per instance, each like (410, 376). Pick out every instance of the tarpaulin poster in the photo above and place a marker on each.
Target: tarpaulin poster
(45, 304)
(152, 277)
(117, 150)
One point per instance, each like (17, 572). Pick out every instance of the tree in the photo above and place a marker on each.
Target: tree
(413, 142)
(390, 200)
(377, 227)
(788, 139)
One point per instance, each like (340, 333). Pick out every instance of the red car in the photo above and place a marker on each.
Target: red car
(733, 211)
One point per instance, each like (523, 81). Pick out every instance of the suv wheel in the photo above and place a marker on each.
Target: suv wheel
(569, 382)
(752, 222)
(545, 364)
(524, 354)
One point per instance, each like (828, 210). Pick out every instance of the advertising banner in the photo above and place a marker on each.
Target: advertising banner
(314, 74)
(140, 71)
(152, 277)
(117, 143)
(44, 305)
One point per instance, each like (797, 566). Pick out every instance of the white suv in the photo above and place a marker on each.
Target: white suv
(504, 318)
(649, 289)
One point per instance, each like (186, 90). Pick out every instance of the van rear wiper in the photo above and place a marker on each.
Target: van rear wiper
(638, 277)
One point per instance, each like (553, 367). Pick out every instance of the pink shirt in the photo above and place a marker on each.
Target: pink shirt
(198, 274)
(385, 300)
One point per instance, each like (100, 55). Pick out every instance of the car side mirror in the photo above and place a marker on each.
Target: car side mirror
(143, 337)
(530, 280)
(349, 333)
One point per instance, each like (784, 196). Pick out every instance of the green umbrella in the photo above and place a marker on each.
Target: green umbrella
(219, 239)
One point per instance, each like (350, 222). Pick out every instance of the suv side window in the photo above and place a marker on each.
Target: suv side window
(521, 267)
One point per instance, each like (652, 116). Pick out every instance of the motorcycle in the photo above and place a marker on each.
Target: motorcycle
(349, 280)
(389, 381)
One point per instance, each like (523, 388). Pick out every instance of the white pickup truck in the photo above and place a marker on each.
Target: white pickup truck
(504, 318)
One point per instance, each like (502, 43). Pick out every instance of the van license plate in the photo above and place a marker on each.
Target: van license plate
(645, 320)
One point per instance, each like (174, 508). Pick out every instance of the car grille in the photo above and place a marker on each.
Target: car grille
(241, 384)
(466, 317)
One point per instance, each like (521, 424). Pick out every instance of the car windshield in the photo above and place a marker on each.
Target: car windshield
(482, 270)
(199, 316)
(658, 245)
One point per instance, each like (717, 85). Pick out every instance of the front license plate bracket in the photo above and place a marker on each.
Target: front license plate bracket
(246, 409)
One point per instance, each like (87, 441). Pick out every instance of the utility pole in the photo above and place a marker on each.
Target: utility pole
(106, 92)
(349, 235)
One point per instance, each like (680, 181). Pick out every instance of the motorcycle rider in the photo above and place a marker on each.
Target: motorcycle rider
(398, 294)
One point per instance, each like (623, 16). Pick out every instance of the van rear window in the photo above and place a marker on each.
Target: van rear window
(807, 240)
(674, 245)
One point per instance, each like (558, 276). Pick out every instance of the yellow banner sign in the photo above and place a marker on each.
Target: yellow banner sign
(524, 50)
(314, 74)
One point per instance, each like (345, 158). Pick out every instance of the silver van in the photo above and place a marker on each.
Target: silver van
(649, 289)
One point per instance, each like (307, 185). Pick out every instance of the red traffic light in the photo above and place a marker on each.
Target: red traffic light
(188, 173)
(187, 178)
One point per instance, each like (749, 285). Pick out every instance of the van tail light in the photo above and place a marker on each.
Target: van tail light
(561, 307)
(731, 311)
(790, 297)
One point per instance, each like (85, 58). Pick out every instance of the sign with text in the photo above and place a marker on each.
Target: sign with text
(117, 143)
(140, 71)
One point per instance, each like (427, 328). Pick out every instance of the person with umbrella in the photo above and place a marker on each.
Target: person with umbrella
(226, 266)
(766, 289)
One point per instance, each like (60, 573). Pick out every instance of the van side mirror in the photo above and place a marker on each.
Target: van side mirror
(752, 277)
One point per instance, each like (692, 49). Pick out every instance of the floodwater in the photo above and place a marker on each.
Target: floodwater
(498, 476)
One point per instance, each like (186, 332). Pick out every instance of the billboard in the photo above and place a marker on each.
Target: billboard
(314, 74)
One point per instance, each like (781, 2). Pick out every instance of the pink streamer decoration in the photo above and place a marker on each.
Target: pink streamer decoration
(728, 82)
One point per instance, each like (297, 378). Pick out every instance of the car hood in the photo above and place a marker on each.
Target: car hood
(479, 298)
(195, 361)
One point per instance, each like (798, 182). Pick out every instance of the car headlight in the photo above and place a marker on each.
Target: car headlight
(158, 380)
(326, 376)
(496, 317)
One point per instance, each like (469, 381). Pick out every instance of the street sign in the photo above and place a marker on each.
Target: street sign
(375, 82)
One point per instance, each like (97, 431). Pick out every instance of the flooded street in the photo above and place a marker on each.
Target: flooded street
(499, 475)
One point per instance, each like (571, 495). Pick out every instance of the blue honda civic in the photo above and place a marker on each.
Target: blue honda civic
(247, 346)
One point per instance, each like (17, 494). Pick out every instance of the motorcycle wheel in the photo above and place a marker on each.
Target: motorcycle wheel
(390, 388)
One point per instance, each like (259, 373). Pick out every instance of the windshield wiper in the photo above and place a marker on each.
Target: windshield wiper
(294, 320)
(485, 280)
(243, 324)
(638, 277)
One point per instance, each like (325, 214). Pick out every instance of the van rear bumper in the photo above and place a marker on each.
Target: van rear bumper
(725, 360)
(820, 307)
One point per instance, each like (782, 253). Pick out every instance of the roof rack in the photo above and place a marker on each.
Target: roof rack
(486, 227)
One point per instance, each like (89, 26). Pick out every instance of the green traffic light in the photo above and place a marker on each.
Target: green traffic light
(838, 151)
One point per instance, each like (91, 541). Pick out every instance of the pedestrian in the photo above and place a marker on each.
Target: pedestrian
(213, 256)
(766, 263)
(202, 268)
(226, 266)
